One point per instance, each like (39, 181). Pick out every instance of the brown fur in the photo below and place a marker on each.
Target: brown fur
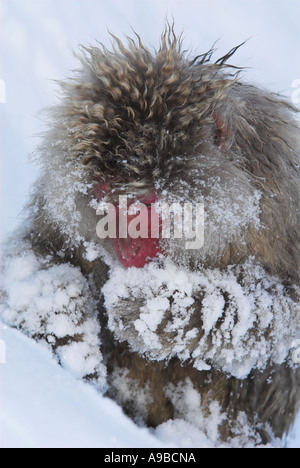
(139, 121)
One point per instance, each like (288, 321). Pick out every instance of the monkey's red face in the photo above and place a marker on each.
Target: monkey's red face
(136, 249)
(136, 241)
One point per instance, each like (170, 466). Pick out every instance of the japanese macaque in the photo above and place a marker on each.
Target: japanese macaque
(218, 320)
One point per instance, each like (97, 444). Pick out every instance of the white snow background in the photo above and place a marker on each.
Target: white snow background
(41, 404)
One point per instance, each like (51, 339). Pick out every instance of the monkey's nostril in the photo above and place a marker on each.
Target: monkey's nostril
(148, 199)
(135, 252)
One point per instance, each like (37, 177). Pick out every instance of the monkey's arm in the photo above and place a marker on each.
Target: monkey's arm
(235, 320)
(50, 300)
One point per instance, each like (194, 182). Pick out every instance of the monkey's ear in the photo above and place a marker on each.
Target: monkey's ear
(222, 133)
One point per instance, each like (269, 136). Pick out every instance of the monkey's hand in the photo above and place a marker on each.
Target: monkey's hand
(234, 320)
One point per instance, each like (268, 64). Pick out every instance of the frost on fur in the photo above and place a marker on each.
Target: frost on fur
(52, 303)
(189, 408)
(210, 317)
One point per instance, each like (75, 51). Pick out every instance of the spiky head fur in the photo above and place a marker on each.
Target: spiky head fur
(140, 120)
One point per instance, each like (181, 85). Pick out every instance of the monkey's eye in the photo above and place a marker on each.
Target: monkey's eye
(222, 131)
(101, 190)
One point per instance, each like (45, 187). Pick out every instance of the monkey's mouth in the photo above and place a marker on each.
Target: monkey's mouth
(136, 252)
(141, 247)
